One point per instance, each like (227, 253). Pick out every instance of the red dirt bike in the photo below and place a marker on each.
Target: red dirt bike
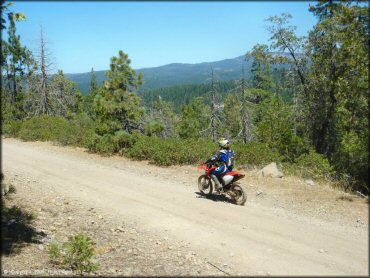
(235, 191)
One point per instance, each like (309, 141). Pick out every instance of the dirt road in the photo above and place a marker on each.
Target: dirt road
(252, 239)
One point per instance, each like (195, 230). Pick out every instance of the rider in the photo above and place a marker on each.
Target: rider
(224, 159)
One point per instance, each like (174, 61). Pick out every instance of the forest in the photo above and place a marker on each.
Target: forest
(310, 115)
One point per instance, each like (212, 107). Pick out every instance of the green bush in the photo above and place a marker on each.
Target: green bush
(54, 251)
(174, 151)
(255, 153)
(77, 254)
(75, 132)
(313, 165)
(11, 128)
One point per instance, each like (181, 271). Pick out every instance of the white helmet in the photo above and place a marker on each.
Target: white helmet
(224, 143)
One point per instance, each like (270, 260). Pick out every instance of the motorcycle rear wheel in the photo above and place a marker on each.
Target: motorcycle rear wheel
(239, 195)
(205, 185)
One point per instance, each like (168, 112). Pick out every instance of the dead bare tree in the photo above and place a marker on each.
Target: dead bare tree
(39, 99)
(45, 103)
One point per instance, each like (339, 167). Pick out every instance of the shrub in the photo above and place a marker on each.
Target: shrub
(255, 153)
(11, 128)
(77, 254)
(54, 251)
(313, 165)
(75, 132)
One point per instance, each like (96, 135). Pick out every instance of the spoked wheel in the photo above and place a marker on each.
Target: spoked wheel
(205, 185)
(239, 195)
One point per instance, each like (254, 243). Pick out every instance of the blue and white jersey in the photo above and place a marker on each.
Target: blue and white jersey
(225, 156)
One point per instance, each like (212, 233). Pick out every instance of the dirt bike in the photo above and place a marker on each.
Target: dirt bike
(235, 191)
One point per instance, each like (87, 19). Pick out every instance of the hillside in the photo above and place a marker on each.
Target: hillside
(175, 74)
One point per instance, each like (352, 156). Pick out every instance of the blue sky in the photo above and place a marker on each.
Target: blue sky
(81, 35)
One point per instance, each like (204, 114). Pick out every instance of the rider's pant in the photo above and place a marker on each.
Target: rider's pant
(219, 171)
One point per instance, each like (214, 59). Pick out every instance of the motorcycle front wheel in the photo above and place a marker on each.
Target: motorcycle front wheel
(239, 195)
(205, 185)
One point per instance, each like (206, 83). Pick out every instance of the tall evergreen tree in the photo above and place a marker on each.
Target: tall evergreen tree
(337, 114)
(261, 67)
(117, 105)
(194, 119)
(94, 86)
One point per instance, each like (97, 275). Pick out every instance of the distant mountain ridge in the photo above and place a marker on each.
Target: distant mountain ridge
(175, 74)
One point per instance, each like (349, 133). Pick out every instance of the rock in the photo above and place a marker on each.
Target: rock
(259, 193)
(309, 182)
(40, 247)
(69, 218)
(321, 250)
(92, 221)
(186, 172)
(271, 170)
(120, 229)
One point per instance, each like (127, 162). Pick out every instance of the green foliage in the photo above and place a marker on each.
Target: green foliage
(117, 106)
(76, 254)
(94, 86)
(194, 119)
(352, 159)
(174, 151)
(162, 120)
(232, 123)
(261, 67)
(67, 100)
(181, 95)
(154, 128)
(54, 251)
(256, 154)
(276, 129)
(88, 101)
(11, 128)
(314, 165)
(337, 107)
(52, 128)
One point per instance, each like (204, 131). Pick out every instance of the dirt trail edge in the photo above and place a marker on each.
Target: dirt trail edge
(251, 239)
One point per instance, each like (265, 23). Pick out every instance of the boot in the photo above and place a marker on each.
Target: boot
(217, 183)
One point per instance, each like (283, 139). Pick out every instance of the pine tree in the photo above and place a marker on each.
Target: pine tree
(117, 105)
(194, 119)
(261, 67)
(94, 86)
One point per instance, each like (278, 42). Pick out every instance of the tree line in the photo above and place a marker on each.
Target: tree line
(316, 102)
